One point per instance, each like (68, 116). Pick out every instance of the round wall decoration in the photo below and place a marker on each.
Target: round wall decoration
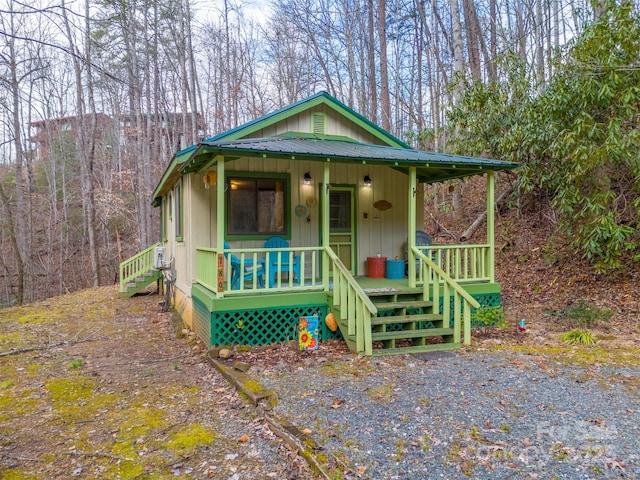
(382, 205)
(300, 210)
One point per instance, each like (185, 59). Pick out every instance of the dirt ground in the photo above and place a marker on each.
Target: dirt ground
(92, 386)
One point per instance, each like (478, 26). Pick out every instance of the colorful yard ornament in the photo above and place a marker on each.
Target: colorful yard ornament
(309, 333)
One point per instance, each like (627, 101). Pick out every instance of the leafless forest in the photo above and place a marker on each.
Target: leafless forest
(96, 96)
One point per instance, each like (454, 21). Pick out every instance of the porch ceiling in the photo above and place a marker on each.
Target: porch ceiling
(431, 166)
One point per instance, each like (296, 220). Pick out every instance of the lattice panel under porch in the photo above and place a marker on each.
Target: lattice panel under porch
(265, 326)
(201, 321)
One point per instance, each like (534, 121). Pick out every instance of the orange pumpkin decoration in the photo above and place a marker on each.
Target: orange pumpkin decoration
(330, 320)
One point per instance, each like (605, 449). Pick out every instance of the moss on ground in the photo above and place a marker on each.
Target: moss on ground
(189, 438)
(581, 355)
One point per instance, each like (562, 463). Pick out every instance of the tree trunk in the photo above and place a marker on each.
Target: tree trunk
(473, 34)
(458, 55)
(22, 233)
(85, 137)
(468, 233)
(11, 227)
(385, 101)
(493, 40)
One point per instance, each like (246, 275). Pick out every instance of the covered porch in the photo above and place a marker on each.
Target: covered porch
(428, 307)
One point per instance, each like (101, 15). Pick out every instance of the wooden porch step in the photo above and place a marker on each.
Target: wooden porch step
(433, 347)
(423, 317)
(404, 291)
(425, 332)
(140, 283)
(399, 305)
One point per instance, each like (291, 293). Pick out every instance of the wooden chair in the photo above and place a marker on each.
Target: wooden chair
(246, 269)
(280, 262)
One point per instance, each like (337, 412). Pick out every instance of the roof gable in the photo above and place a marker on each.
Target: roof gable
(243, 131)
(321, 98)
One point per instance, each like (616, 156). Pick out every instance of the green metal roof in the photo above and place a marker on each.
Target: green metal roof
(431, 166)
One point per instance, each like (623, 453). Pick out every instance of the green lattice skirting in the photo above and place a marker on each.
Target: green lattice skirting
(262, 327)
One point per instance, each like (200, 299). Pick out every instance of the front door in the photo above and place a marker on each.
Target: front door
(342, 235)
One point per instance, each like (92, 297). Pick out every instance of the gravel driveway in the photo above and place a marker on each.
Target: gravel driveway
(474, 414)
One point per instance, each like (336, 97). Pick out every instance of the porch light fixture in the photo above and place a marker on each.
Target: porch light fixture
(367, 181)
(307, 178)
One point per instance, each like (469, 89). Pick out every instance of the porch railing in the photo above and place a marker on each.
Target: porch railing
(272, 263)
(460, 262)
(136, 266)
(435, 279)
(355, 306)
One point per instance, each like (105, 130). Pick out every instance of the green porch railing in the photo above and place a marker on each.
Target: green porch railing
(308, 260)
(136, 266)
(434, 279)
(460, 262)
(206, 268)
(356, 308)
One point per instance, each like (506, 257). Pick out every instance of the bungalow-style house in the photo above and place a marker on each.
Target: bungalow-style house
(310, 210)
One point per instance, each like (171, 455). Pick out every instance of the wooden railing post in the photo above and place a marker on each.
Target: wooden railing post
(356, 308)
(462, 300)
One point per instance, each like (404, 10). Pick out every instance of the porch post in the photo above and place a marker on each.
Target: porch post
(491, 193)
(325, 223)
(220, 208)
(411, 236)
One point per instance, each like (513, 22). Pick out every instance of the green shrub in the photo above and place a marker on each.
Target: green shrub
(585, 316)
(486, 317)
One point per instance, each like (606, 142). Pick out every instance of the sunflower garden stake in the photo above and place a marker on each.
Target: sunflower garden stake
(309, 333)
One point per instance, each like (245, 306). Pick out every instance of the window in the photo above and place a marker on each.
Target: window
(163, 220)
(178, 210)
(257, 206)
(340, 211)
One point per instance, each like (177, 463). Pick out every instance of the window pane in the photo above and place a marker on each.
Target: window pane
(340, 211)
(242, 206)
(178, 213)
(256, 206)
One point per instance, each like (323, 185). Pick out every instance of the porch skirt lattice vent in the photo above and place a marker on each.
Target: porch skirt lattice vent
(201, 321)
(486, 300)
(265, 326)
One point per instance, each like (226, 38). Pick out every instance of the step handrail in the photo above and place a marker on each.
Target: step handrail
(356, 308)
(136, 266)
(433, 275)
